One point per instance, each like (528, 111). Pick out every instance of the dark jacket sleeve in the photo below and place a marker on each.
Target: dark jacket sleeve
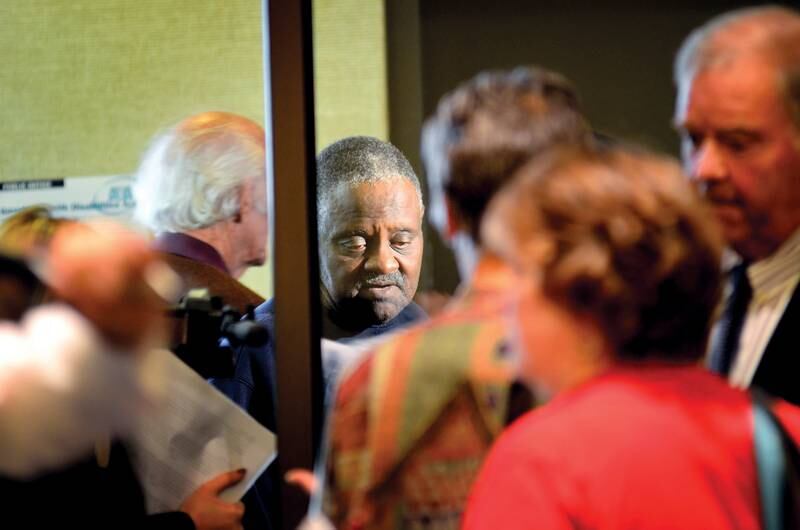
(253, 384)
(169, 521)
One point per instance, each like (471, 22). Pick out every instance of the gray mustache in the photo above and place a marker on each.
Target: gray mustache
(394, 278)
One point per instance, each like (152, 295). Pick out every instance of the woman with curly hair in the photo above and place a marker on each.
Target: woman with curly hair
(618, 271)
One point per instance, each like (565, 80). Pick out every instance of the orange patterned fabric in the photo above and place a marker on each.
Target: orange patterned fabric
(412, 424)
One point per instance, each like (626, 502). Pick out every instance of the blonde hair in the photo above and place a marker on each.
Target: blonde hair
(28, 231)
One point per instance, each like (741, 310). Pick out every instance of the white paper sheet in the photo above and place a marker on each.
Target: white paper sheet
(196, 434)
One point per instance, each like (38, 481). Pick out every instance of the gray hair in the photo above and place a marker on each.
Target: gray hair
(360, 159)
(770, 30)
(191, 175)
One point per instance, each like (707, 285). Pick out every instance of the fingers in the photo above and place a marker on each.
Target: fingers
(225, 480)
(302, 478)
(208, 511)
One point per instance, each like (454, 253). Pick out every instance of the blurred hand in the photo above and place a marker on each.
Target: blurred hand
(306, 481)
(303, 479)
(208, 511)
(102, 269)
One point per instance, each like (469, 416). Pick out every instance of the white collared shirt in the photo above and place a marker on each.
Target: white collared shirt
(773, 281)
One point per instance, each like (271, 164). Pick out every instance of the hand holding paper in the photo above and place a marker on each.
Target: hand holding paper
(196, 435)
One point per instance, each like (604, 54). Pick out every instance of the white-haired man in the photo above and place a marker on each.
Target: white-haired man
(201, 188)
(738, 112)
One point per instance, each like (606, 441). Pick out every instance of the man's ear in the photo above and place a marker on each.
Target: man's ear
(244, 203)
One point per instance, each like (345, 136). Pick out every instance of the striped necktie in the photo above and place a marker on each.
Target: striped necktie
(732, 320)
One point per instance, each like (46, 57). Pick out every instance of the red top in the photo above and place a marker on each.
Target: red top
(649, 447)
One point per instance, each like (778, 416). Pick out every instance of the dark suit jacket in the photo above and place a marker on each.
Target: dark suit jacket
(254, 388)
(779, 370)
(86, 496)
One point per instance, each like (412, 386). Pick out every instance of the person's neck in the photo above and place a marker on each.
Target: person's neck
(466, 252)
(586, 356)
(761, 248)
(217, 236)
(491, 272)
(334, 327)
(589, 368)
(331, 330)
(338, 323)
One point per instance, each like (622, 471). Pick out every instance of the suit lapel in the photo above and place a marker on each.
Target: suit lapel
(779, 370)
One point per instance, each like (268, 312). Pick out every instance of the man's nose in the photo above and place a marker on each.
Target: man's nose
(708, 163)
(382, 260)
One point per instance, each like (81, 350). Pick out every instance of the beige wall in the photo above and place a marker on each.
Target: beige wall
(350, 69)
(85, 83)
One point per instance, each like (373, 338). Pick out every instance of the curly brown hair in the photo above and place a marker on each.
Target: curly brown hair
(621, 237)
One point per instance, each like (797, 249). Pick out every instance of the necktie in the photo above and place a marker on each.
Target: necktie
(732, 320)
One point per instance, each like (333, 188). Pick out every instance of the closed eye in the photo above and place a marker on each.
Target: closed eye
(739, 142)
(402, 241)
(353, 244)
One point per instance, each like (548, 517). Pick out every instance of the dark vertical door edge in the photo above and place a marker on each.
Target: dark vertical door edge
(289, 120)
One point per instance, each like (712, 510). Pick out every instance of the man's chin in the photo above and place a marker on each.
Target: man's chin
(384, 311)
(733, 223)
(733, 230)
(359, 313)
